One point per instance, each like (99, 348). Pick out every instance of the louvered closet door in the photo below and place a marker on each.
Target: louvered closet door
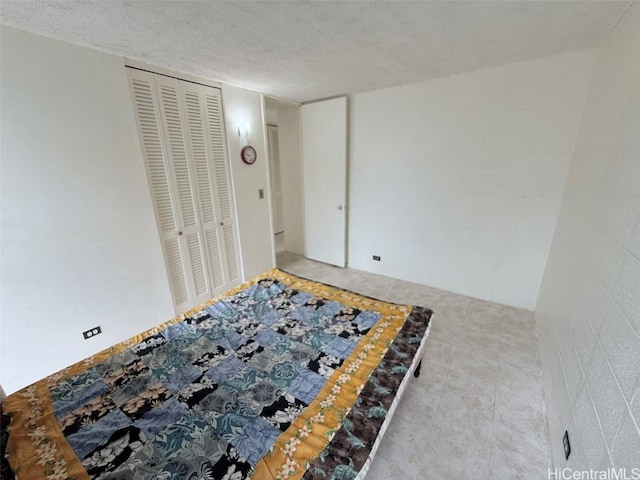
(205, 125)
(183, 145)
(211, 102)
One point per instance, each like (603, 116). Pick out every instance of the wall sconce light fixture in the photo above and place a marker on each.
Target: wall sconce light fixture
(244, 129)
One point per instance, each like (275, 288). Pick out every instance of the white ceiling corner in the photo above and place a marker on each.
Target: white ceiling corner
(306, 50)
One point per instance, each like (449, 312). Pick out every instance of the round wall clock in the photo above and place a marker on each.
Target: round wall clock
(249, 155)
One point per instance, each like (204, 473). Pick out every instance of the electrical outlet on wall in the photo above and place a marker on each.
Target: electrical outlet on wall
(566, 444)
(376, 258)
(91, 332)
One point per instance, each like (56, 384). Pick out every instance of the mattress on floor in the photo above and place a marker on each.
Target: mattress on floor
(280, 378)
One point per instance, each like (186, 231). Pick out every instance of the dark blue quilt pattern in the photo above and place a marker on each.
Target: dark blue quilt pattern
(207, 397)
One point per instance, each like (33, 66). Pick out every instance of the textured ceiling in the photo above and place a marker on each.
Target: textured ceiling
(304, 51)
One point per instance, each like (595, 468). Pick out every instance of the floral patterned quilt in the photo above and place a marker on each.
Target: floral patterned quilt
(280, 378)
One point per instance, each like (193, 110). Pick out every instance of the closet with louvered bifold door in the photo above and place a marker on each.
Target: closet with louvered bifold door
(181, 130)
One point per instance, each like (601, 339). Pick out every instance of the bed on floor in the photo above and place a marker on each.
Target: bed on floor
(280, 378)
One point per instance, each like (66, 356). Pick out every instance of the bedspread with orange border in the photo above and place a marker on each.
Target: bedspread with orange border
(279, 378)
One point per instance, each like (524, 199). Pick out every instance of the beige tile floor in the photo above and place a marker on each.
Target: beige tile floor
(477, 409)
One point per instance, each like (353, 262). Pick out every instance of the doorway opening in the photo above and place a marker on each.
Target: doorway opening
(285, 170)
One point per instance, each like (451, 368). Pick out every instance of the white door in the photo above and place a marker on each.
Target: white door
(324, 156)
(182, 136)
(276, 182)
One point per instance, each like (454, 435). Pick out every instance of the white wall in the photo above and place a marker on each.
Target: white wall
(79, 241)
(588, 312)
(457, 183)
(80, 246)
(291, 176)
(254, 218)
(271, 111)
